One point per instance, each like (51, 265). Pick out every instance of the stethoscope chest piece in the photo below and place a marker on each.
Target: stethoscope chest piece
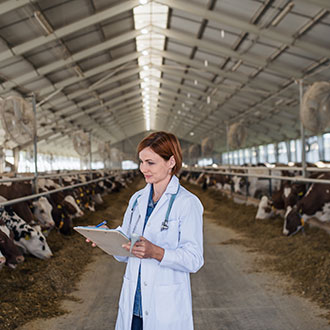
(164, 225)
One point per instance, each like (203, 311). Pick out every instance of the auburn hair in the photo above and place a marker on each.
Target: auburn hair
(165, 145)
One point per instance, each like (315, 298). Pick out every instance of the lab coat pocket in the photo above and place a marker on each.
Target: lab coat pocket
(172, 303)
(169, 238)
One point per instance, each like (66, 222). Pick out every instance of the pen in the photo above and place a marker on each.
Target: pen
(101, 224)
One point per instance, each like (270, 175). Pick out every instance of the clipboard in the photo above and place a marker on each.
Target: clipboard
(108, 240)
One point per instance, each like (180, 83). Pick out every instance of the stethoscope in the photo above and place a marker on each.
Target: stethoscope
(164, 225)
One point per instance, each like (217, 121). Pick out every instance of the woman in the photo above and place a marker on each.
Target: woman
(156, 291)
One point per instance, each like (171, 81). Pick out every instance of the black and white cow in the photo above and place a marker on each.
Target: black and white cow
(29, 238)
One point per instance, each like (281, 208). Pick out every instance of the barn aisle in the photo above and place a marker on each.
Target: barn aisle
(228, 294)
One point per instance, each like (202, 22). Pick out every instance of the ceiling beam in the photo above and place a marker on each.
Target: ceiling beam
(87, 74)
(199, 65)
(320, 3)
(238, 23)
(106, 14)
(255, 60)
(10, 5)
(83, 91)
(74, 58)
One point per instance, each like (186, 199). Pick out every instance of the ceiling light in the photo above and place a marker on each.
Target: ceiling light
(146, 67)
(206, 63)
(195, 82)
(145, 53)
(283, 13)
(236, 66)
(192, 133)
(188, 95)
(208, 99)
(143, 2)
(43, 22)
(222, 33)
(144, 31)
(78, 71)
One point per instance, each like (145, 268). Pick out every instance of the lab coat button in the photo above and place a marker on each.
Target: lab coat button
(146, 313)
(145, 283)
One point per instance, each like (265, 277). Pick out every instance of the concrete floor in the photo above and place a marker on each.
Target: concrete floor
(228, 294)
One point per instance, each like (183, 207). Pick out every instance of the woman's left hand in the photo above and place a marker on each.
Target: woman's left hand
(144, 249)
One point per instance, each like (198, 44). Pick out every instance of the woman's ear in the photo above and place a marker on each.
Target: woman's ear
(172, 161)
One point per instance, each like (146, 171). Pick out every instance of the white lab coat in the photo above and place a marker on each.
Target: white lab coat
(165, 285)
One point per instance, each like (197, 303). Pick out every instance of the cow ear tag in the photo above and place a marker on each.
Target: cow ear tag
(27, 237)
(59, 206)
(300, 194)
(302, 222)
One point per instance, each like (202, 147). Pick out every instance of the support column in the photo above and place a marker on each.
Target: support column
(35, 141)
(16, 159)
(288, 151)
(2, 160)
(320, 142)
(302, 132)
(227, 144)
(256, 149)
(266, 153)
(276, 152)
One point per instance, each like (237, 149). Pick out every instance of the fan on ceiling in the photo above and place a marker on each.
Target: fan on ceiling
(207, 147)
(81, 143)
(104, 150)
(236, 135)
(315, 109)
(194, 152)
(17, 119)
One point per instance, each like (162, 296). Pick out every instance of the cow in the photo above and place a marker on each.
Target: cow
(34, 212)
(315, 203)
(42, 210)
(255, 186)
(287, 195)
(13, 190)
(29, 238)
(11, 253)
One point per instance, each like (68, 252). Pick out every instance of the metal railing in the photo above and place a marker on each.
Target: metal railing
(54, 175)
(26, 198)
(260, 176)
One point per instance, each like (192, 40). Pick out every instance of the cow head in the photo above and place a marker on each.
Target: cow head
(265, 209)
(293, 221)
(73, 207)
(29, 238)
(292, 193)
(240, 184)
(43, 212)
(34, 242)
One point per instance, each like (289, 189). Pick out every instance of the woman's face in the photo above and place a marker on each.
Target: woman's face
(155, 168)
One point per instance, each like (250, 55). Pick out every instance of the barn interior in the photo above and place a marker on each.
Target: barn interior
(111, 71)
(240, 83)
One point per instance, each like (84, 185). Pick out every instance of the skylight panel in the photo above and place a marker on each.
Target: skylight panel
(147, 16)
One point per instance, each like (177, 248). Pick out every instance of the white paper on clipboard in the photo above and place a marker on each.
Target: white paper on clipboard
(108, 240)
